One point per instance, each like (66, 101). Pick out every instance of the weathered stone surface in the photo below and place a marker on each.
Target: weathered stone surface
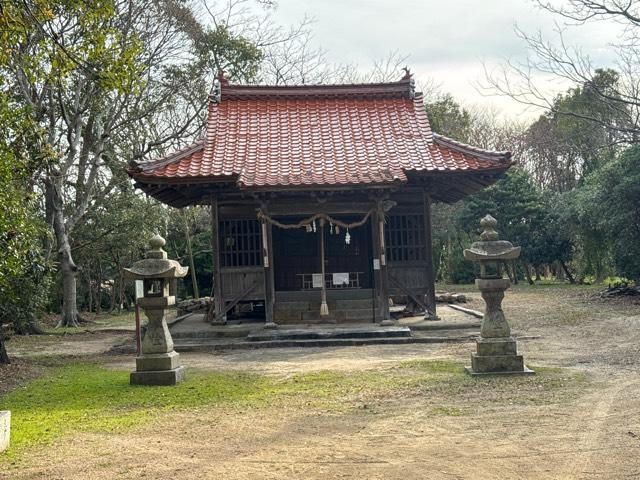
(496, 350)
(290, 316)
(496, 346)
(494, 323)
(158, 361)
(201, 304)
(157, 338)
(163, 377)
(5, 429)
(497, 363)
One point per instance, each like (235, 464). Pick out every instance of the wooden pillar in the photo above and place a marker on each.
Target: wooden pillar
(380, 274)
(216, 315)
(430, 293)
(269, 280)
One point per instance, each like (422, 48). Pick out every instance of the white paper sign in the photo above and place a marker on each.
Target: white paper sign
(139, 289)
(341, 278)
(376, 264)
(316, 280)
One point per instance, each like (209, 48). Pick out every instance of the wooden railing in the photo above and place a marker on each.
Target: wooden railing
(307, 280)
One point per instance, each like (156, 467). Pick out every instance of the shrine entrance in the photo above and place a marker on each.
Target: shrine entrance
(348, 257)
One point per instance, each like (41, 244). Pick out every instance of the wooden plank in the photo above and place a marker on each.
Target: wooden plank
(239, 297)
(384, 272)
(430, 293)
(380, 282)
(407, 292)
(269, 279)
(377, 279)
(216, 315)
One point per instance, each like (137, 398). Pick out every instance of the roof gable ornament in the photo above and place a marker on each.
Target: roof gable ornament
(216, 92)
(412, 82)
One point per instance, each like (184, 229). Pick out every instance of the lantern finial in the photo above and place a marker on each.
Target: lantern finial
(489, 224)
(157, 242)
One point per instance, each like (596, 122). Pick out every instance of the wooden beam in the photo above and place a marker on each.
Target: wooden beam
(430, 294)
(239, 297)
(269, 279)
(217, 314)
(384, 271)
(380, 278)
(407, 292)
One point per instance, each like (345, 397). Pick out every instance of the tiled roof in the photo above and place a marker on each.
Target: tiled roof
(335, 135)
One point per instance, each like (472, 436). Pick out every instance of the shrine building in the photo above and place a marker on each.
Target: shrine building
(320, 197)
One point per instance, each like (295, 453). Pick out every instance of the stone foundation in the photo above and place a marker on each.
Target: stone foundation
(497, 356)
(157, 377)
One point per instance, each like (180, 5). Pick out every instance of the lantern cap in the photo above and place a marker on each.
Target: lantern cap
(156, 265)
(490, 248)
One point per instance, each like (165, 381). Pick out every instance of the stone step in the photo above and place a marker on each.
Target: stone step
(212, 345)
(353, 314)
(337, 294)
(329, 333)
(304, 306)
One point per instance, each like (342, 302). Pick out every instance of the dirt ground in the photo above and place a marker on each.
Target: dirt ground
(584, 430)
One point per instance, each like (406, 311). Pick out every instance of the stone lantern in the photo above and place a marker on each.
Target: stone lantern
(159, 363)
(496, 348)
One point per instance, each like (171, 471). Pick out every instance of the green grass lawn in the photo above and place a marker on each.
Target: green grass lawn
(87, 397)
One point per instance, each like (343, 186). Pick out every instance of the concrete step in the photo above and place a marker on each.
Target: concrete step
(212, 345)
(329, 333)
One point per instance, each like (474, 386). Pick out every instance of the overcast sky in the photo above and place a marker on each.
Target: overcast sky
(446, 40)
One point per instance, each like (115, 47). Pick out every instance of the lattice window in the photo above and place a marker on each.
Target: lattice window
(404, 238)
(240, 243)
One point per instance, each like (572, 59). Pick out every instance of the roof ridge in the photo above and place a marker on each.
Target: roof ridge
(401, 88)
(143, 166)
(503, 155)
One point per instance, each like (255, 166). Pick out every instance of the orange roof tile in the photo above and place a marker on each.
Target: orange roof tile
(334, 135)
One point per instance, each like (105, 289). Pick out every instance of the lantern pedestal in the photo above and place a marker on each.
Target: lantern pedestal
(159, 363)
(496, 352)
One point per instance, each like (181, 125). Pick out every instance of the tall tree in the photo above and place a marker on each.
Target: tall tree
(606, 211)
(562, 149)
(108, 81)
(559, 59)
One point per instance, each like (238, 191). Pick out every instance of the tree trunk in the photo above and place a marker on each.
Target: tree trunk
(537, 269)
(120, 289)
(450, 278)
(99, 290)
(70, 316)
(192, 267)
(568, 273)
(90, 285)
(4, 358)
(112, 306)
(527, 272)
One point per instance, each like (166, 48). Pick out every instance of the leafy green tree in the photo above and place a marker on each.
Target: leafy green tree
(562, 149)
(108, 81)
(113, 235)
(606, 211)
(523, 218)
(447, 117)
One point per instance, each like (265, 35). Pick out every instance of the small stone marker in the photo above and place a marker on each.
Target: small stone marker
(496, 348)
(159, 363)
(5, 429)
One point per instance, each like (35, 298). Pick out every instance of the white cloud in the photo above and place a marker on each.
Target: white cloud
(445, 40)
